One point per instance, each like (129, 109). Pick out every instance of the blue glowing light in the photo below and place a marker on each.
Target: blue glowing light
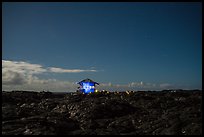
(88, 87)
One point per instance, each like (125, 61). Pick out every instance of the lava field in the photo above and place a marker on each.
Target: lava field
(102, 113)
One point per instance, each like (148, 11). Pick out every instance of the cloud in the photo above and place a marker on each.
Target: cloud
(46, 85)
(11, 77)
(22, 67)
(24, 76)
(136, 84)
(28, 68)
(166, 85)
(130, 86)
(19, 75)
(60, 70)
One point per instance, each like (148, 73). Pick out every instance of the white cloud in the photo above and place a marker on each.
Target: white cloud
(60, 70)
(12, 77)
(22, 67)
(19, 75)
(28, 68)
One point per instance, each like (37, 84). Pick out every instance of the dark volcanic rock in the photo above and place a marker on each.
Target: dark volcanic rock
(103, 113)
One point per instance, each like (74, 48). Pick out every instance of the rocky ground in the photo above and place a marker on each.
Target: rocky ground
(102, 113)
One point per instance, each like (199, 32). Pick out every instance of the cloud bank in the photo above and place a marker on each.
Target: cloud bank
(135, 86)
(19, 75)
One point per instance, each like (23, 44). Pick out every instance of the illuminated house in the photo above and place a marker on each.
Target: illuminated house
(87, 85)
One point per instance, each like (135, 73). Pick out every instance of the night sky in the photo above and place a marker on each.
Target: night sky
(122, 46)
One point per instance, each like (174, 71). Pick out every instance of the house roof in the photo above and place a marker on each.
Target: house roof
(87, 80)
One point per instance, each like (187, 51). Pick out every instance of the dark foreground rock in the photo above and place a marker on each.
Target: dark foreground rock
(102, 113)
